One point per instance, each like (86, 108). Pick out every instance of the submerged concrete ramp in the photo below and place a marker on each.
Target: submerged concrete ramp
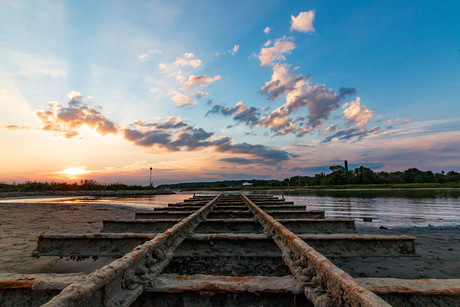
(225, 250)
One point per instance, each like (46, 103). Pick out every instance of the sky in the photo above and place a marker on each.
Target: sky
(224, 90)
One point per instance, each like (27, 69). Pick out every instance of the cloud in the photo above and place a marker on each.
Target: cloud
(250, 115)
(356, 114)
(144, 57)
(267, 30)
(283, 80)
(180, 136)
(187, 60)
(16, 127)
(270, 54)
(329, 129)
(200, 81)
(180, 99)
(65, 121)
(242, 161)
(303, 22)
(172, 133)
(234, 49)
(351, 133)
(299, 93)
(273, 155)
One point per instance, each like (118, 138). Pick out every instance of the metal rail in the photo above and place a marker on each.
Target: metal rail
(324, 284)
(121, 282)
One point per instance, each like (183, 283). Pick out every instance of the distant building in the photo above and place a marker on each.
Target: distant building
(247, 183)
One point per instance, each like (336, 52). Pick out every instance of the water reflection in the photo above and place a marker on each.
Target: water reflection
(389, 208)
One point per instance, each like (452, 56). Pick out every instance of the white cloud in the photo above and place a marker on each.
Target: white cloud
(270, 54)
(200, 81)
(354, 113)
(144, 57)
(234, 49)
(180, 99)
(303, 22)
(267, 30)
(187, 61)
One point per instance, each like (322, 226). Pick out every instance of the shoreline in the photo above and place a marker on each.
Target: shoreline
(87, 193)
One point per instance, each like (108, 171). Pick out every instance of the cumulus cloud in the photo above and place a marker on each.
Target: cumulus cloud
(145, 56)
(319, 100)
(181, 99)
(356, 114)
(303, 22)
(66, 120)
(187, 60)
(283, 80)
(267, 30)
(199, 81)
(249, 116)
(281, 46)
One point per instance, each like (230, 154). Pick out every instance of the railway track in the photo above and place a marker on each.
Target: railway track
(224, 250)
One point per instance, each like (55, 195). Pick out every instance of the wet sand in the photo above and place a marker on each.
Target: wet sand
(21, 223)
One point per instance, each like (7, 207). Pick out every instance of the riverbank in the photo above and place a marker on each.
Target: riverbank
(102, 193)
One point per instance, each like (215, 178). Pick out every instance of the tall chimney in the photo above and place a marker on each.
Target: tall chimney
(346, 165)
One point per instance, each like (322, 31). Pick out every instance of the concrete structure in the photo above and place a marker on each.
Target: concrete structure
(224, 250)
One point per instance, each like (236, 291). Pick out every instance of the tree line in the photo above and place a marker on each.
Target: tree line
(83, 185)
(339, 175)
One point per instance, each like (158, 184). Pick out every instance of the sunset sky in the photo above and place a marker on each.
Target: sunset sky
(222, 90)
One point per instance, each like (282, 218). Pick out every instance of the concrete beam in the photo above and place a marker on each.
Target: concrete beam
(414, 292)
(233, 226)
(220, 245)
(224, 214)
(37, 289)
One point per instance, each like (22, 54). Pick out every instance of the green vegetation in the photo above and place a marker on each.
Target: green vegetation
(341, 178)
(84, 185)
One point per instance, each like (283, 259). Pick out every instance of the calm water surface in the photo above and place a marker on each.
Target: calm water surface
(389, 208)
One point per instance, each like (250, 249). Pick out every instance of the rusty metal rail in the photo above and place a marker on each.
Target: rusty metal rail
(324, 284)
(121, 282)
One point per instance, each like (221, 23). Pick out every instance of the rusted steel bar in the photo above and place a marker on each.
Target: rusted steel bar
(121, 282)
(324, 283)
(226, 284)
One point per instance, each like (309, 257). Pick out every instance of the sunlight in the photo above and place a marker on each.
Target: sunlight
(73, 172)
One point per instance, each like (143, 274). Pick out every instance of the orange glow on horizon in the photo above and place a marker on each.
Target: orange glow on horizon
(74, 172)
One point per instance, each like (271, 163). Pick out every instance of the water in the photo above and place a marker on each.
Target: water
(388, 208)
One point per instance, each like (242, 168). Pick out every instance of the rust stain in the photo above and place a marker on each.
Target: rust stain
(17, 284)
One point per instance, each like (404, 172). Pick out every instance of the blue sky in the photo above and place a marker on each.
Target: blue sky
(206, 90)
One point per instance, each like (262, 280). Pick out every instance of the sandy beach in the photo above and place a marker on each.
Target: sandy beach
(438, 249)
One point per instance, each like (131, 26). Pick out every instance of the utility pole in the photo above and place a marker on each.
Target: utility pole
(150, 181)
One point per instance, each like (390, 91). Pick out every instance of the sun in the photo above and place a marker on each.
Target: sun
(73, 172)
